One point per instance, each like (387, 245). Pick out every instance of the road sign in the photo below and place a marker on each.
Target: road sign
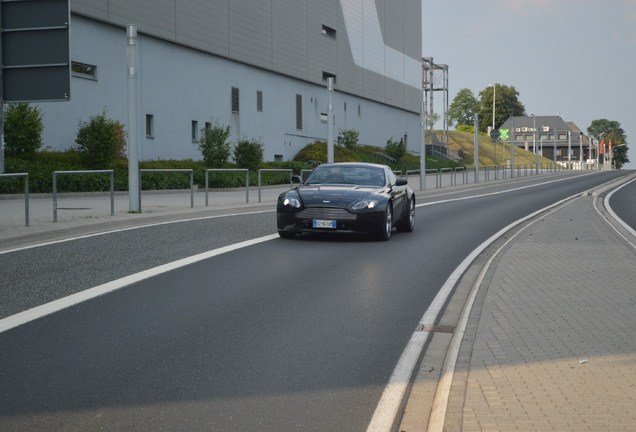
(504, 134)
(35, 42)
(494, 134)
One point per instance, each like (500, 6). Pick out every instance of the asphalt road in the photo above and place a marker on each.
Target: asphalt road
(282, 335)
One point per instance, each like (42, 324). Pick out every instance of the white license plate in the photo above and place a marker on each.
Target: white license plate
(324, 223)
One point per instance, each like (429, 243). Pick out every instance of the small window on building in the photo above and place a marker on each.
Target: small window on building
(259, 101)
(83, 70)
(150, 126)
(195, 131)
(235, 100)
(563, 137)
(359, 111)
(299, 112)
(345, 107)
(208, 126)
(329, 31)
(278, 158)
(323, 117)
(327, 75)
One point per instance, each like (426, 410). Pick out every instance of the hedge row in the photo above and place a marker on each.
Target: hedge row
(41, 170)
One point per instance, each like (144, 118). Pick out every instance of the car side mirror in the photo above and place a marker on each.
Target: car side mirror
(295, 179)
(401, 182)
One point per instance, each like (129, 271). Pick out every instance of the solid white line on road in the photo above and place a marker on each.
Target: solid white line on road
(132, 228)
(63, 303)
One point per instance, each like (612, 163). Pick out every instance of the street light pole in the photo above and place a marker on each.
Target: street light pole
(494, 101)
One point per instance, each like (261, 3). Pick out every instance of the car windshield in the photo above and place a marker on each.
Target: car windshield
(338, 174)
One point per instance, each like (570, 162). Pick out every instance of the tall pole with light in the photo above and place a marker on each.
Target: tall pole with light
(494, 101)
(536, 152)
(330, 120)
(133, 150)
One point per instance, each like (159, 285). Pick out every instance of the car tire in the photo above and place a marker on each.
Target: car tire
(407, 224)
(287, 234)
(385, 230)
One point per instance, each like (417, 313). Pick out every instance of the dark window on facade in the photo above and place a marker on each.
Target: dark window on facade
(328, 31)
(299, 112)
(150, 126)
(259, 101)
(82, 70)
(195, 131)
(235, 100)
(278, 158)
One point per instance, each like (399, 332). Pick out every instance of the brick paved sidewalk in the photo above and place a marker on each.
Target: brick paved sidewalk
(553, 333)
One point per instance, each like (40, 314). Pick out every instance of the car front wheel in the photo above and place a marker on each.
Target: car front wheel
(385, 230)
(407, 224)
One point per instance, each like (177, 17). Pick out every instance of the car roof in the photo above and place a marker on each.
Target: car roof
(354, 164)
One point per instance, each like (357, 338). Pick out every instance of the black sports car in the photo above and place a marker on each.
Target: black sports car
(347, 197)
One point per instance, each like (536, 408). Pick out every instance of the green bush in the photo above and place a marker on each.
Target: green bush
(395, 149)
(248, 153)
(350, 138)
(22, 130)
(465, 128)
(214, 146)
(100, 141)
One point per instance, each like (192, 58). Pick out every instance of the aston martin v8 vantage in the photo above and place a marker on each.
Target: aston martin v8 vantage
(346, 198)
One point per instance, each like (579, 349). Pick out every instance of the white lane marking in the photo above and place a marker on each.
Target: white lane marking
(63, 303)
(131, 228)
(501, 192)
(606, 203)
(391, 399)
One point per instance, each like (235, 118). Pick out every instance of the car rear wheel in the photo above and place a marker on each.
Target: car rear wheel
(385, 231)
(408, 221)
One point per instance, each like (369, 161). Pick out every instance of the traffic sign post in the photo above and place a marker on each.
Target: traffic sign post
(34, 54)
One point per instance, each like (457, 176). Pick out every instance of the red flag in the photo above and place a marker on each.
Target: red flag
(601, 149)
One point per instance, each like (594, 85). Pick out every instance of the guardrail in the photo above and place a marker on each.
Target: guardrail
(26, 192)
(112, 187)
(289, 170)
(191, 171)
(247, 181)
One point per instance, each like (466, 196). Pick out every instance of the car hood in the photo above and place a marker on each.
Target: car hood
(335, 195)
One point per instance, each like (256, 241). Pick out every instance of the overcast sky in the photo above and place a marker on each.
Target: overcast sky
(574, 58)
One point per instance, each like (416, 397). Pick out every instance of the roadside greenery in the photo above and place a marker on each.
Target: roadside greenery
(23, 129)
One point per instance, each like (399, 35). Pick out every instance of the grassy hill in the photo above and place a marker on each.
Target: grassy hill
(465, 141)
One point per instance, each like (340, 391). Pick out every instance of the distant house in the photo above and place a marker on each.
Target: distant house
(554, 137)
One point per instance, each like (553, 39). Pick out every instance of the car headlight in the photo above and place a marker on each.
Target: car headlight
(364, 204)
(291, 201)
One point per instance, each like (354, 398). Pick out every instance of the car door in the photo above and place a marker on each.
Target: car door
(398, 195)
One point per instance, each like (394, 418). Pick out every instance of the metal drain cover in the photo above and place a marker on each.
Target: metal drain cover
(437, 328)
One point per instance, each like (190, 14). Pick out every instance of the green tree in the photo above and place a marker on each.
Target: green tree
(23, 130)
(214, 146)
(506, 100)
(100, 141)
(350, 138)
(463, 108)
(248, 153)
(395, 149)
(610, 130)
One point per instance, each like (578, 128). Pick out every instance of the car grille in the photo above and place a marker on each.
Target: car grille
(326, 213)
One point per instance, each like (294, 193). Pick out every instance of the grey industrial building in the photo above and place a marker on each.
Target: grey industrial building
(258, 66)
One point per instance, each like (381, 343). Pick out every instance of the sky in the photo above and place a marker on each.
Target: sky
(573, 58)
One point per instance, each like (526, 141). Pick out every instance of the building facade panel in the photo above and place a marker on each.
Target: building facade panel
(156, 17)
(289, 37)
(250, 32)
(204, 25)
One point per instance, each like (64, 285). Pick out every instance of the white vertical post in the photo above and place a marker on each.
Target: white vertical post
(133, 150)
(476, 139)
(512, 147)
(330, 120)
(423, 147)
